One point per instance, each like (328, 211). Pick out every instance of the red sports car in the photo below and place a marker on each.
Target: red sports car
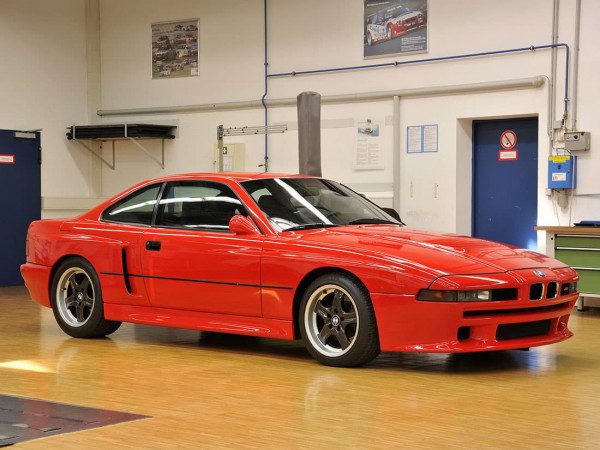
(288, 257)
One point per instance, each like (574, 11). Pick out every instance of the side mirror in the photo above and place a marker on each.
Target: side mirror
(242, 225)
(392, 212)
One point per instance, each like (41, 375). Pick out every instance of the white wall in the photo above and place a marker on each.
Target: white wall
(43, 84)
(317, 34)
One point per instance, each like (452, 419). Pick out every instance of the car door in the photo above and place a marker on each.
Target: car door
(123, 225)
(192, 261)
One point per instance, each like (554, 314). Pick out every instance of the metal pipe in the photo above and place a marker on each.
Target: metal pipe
(266, 109)
(576, 64)
(519, 83)
(552, 80)
(439, 58)
(396, 153)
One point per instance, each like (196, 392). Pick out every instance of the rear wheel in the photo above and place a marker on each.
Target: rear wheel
(77, 300)
(337, 321)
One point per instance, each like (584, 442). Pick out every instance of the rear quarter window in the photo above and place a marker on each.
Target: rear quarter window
(136, 208)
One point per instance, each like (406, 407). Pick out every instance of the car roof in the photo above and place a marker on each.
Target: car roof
(233, 176)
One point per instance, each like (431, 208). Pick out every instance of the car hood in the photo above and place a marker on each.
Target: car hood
(438, 253)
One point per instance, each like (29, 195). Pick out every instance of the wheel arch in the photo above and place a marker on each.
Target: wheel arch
(305, 282)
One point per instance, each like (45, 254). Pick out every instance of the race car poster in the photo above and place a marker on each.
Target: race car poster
(175, 49)
(394, 27)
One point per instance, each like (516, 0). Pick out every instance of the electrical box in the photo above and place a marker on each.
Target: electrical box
(561, 172)
(577, 140)
(234, 157)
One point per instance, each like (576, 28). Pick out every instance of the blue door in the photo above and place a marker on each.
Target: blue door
(20, 199)
(505, 168)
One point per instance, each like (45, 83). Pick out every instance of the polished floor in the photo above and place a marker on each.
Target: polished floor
(220, 391)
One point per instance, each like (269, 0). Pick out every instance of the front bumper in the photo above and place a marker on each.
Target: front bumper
(408, 325)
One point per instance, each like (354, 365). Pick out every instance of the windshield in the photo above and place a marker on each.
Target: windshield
(302, 203)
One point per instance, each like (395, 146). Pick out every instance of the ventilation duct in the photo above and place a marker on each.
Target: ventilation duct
(309, 133)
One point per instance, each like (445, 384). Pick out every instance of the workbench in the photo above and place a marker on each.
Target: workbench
(579, 247)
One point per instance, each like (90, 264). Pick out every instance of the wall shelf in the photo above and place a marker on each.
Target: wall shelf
(134, 133)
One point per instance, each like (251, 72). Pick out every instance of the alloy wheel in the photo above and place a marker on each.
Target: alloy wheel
(75, 296)
(331, 320)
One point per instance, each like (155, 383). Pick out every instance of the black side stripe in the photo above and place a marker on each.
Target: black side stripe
(190, 280)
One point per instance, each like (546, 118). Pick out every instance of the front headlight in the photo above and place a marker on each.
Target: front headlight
(426, 295)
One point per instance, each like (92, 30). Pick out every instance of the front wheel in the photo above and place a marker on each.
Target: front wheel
(337, 321)
(77, 300)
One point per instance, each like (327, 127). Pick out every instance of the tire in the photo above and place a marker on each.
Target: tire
(77, 300)
(337, 321)
(369, 39)
(388, 33)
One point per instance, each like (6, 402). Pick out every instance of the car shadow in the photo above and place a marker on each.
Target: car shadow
(252, 345)
(484, 362)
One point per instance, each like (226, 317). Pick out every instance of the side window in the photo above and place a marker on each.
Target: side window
(136, 208)
(198, 205)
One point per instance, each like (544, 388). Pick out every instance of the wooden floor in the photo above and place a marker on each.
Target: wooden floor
(219, 391)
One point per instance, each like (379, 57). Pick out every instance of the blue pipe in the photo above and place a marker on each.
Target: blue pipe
(426, 60)
(266, 62)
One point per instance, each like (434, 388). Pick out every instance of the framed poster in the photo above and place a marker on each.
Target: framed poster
(175, 49)
(394, 27)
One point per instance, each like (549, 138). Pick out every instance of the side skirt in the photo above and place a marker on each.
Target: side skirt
(197, 320)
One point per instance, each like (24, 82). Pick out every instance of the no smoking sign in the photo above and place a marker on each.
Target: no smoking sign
(508, 139)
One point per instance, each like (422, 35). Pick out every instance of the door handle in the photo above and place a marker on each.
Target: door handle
(153, 246)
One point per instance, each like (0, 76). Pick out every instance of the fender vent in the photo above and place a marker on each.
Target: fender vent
(125, 271)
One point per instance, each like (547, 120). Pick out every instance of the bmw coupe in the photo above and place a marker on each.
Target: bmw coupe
(291, 257)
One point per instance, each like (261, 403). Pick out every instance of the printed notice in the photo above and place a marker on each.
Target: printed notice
(430, 138)
(368, 146)
(422, 139)
(414, 143)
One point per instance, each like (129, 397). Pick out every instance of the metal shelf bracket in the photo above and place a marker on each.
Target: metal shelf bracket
(161, 161)
(91, 150)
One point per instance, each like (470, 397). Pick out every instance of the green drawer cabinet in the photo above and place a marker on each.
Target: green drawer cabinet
(579, 248)
(591, 242)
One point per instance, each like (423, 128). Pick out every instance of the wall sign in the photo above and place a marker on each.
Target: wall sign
(368, 146)
(7, 159)
(508, 139)
(422, 139)
(175, 49)
(508, 155)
